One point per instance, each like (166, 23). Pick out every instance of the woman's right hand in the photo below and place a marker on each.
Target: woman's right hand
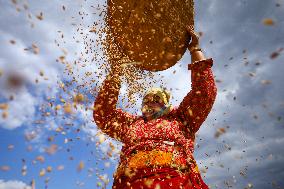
(116, 67)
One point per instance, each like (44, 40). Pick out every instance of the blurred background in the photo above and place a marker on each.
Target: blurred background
(51, 67)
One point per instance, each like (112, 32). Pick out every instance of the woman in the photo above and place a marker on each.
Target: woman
(158, 146)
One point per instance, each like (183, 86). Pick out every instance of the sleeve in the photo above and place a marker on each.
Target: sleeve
(198, 103)
(114, 122)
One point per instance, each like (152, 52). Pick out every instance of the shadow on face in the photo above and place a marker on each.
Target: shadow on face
(151, 105)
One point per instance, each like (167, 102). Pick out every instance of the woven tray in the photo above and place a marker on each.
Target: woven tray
(151, 32)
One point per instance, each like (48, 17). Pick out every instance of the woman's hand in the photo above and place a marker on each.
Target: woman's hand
(194, 44)
(119, 65)
(116, 67)
(193, 47)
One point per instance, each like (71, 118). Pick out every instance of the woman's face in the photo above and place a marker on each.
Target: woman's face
(151, 104)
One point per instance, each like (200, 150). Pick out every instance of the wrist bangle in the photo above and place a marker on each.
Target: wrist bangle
(195, 49)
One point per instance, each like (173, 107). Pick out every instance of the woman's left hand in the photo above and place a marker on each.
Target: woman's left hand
(194, 38)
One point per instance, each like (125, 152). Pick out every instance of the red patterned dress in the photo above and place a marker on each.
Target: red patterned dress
(158, 153)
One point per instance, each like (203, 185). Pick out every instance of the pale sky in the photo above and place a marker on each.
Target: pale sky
(244, 38)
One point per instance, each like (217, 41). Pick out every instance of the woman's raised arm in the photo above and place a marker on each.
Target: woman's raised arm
(197, 104)
(112, 121)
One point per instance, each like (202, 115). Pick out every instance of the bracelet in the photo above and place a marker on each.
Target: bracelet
(195, 49)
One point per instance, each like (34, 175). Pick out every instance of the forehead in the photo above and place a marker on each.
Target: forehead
(148, 96)
(151, 97)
